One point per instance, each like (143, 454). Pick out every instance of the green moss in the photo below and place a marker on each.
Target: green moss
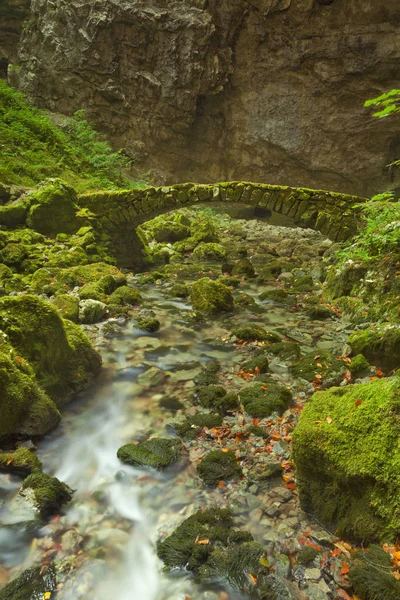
(227, 403)
(255, 333)
(150, 325)
(230, 281)
(126, 296)
(259, 402)
(359, 366)
(179, 290)
(331, 371)
(47, 494)
(286, 350)
(345, 281)
(55, 280)
(319, 312)
(157, 453)
(189, 429)
(32, 583)
(210, 250)
(259, 364)
(171, 403)
(208, 395)
(203, 230)
(68, 307)
(211, 297)
(208, 375)
(91, 311)
(379, 344)
(215, 525)
(12, 215)
(22, 461)
(92, 291)
(347, 465)
(372, 577)
(219, 466)
(61, 356)
(67, 257)
(53, 207)
(303, 283)
(277, 295)
(25, 409)
(243, 268)
(257, 431)
(306, 555)
(244, 300)
(233, 564)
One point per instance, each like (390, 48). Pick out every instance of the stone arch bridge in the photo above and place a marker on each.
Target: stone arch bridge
(120, 212)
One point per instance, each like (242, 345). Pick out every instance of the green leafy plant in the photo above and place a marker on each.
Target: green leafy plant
(380, 231)
(33, 147)
(387, 103)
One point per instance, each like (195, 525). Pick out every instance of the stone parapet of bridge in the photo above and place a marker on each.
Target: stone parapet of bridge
(120, 212)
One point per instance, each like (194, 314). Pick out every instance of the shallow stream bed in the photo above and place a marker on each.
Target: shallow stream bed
(104, 541)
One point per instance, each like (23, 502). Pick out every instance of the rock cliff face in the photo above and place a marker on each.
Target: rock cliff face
(267, 90)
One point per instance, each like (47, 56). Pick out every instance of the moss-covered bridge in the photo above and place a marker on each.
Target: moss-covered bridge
(120, 212)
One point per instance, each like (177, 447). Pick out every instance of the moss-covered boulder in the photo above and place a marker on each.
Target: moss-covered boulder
(244, 268)
(13, 214)
(217, 466)
(347, 465)
(258, 364)
(25, 409)
(211, 297)
(179, 290)
(53, 207)
(359, 366)
(277, 295)
(227, 404)
(126, 296)
(54, 280)
(286, 350)
(215, 527)
(372, 575)
(210, 250)
(208, 395)
(192, 426)
(151, 324)
(320, 366)
(91, 311)
(157, 453)
(59, 353)
(22, 462)
(32, 584)
(170, 232)
(233, 564)
(208, 374)
(203, 230)
(261, 400)
(255, 333)
(46, 494)
(319, 312)
(379, 344)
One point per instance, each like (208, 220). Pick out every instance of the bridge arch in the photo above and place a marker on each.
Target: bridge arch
(120, 212)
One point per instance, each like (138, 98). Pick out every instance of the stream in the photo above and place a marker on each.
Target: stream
(104, 541)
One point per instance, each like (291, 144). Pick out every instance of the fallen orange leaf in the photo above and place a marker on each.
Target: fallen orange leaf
(319, 365)
(254, 579)
(358, 402)
(221, 484)
(203, 542)
(329, 420)
(225, 450)
(345, 568)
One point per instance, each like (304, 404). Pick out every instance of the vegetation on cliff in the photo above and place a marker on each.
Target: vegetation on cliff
(36, 145)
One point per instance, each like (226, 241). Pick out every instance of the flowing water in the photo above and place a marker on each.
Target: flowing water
(105, 538)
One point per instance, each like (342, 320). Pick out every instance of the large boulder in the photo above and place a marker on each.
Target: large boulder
(211, 297)
(345, 449)
(25, 408)
(53, 356)
(380, 344)
(53, 208)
